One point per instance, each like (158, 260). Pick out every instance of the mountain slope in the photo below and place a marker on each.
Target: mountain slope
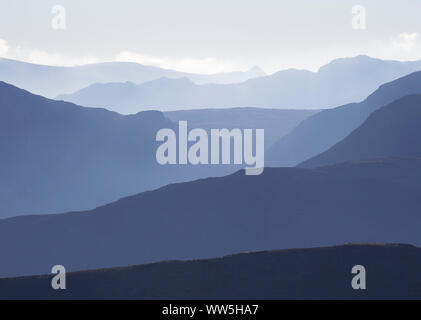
(298, 89)
(51, 81)
(282, 208)
(276, 123)
(56, 156)
(392, 131)
(319, 273)
(323, 130)
(59, 157)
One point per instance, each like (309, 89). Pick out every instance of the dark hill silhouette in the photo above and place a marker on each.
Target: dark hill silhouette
(282, 208)
(392, 131)
(297, 89)
(319, 273)
(323, 130)
(51, 81)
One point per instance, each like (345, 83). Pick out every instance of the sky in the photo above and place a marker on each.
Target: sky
(209, 36)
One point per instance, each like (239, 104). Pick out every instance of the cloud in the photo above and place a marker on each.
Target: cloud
(406, 41)
(4, 48)
(36, 56)
(57, 59)
(203, 66)
(42, 57)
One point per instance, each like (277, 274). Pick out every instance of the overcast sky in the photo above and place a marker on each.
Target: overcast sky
(208, 36)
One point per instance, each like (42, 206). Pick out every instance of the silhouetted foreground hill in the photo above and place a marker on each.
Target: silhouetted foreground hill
(339, 82)
(393, 272)
(323, 130)
(282, 208)
(392, 131)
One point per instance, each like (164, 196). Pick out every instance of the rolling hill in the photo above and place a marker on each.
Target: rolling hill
(318, 273)
(282, 208)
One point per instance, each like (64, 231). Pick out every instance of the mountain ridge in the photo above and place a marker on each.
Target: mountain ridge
(321, 131)
(291, 88)
(51, 81)
(77, 157)
(218, 216)
(280, 274)
(391, 131)
(81, 157)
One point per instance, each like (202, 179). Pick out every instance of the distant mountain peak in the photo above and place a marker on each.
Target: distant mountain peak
(256, 71)
(346, 61)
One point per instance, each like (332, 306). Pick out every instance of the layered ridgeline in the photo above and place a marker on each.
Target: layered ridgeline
(277, 123)
(323, 130)
(282, 208)
(392, 131)
(341, 81)
(51, 81)
(59, 157)
(393, 272)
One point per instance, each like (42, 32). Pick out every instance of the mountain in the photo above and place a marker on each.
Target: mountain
(51, 81)
(392, 131)
(321, 131)
(225, 77)
(276, 123)
(281, 208)
(318, 273)
(57, 156)
(342, 81)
